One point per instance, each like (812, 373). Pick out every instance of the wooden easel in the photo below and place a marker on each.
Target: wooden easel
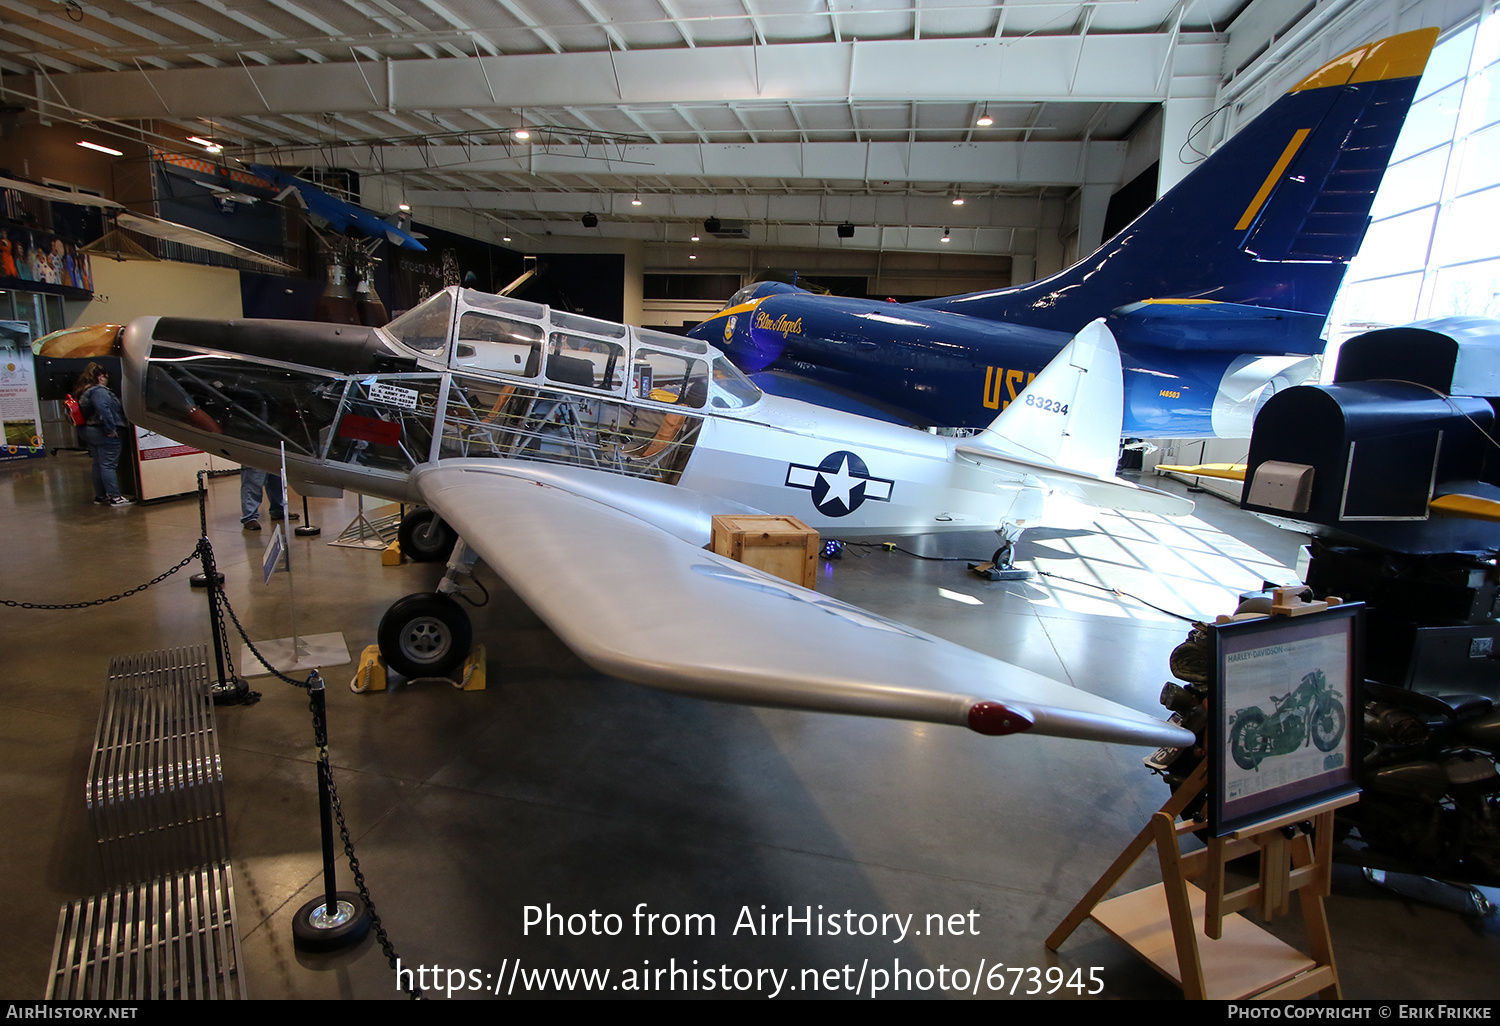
(1187, 926)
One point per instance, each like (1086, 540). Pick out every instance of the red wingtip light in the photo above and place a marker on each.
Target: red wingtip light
(994, 719)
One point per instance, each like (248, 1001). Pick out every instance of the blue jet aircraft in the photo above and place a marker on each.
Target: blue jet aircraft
(1216, 295)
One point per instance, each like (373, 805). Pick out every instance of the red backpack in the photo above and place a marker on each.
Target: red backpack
(75, 412)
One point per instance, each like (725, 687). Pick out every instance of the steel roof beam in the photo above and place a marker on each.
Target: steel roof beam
(1111, 68)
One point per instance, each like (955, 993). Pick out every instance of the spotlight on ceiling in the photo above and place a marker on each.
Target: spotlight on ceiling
(846, 230)
(405, 208)
(590, 220)
(522, 134)
(958, 201)
(985, 121)
(712, 225)
(635, 201)
(946, 236)
(695, 237)
(692, 256)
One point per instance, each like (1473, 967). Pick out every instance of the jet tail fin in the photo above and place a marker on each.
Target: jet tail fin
(1063, 430)
(1270, 219)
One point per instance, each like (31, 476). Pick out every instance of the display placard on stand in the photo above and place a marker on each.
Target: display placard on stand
(1283, 728)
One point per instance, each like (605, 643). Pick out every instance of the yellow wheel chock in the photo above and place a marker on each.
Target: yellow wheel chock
(371, 675)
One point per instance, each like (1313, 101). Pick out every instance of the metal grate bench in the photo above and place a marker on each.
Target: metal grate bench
(155, 794)
(155, 788)
(174, 937)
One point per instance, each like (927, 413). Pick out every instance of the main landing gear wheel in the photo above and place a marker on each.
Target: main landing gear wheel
(425, 536)
(425, 635)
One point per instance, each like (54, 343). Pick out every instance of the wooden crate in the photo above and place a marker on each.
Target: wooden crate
(783, 546)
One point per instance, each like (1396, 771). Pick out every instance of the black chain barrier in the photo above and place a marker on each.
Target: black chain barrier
(113, 598)
(219, 605)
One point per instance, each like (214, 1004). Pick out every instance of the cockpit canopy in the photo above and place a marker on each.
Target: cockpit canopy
(487, 334)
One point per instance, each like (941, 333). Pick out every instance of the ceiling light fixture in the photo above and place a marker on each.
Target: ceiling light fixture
(522, 134)
(985, 121)
(695, 237)
(405, 208)
(207, 144)
(102, 149)
(692, 256)
(635, 201)
(945, 235)
(958, 200)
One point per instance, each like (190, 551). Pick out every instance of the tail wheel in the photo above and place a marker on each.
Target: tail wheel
(425, 635)
(1003, 555)
(1329, 721)
(1244, 739)
(425, 536)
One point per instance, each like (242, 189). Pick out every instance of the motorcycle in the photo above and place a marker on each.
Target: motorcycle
(1431, 802)
(1309, 712)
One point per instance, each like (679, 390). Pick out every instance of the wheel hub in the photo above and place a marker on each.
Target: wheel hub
(426, 639)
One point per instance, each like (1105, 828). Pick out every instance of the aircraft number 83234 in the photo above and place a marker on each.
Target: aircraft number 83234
(1046, 405)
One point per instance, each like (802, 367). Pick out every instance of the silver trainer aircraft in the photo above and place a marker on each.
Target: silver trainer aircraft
(528, 432)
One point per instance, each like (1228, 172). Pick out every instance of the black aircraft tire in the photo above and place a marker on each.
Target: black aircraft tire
(425, 536)
(425, 635)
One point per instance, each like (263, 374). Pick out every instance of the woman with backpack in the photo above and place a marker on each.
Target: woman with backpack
(104, 419)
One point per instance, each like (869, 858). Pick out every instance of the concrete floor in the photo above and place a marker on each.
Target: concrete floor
(561, 786)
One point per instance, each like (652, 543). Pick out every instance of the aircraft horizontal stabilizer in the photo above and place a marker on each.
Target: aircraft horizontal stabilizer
(1208, 326)
(577, 561)
(1106, 492)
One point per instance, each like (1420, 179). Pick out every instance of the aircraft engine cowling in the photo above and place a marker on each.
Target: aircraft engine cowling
(323, 396)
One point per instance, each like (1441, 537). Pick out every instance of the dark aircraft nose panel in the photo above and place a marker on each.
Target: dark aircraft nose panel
(344, 348)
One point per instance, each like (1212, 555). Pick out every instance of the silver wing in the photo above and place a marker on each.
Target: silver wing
(648, 604)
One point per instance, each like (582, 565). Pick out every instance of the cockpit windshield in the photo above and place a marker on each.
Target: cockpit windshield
(425, 326)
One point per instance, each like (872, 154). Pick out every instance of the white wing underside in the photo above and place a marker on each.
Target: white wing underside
(641, 603)
(181, 233)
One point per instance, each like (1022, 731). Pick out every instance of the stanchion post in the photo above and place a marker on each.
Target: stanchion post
(225, 687)
(315, 927)
(306, 530)
(200, 579)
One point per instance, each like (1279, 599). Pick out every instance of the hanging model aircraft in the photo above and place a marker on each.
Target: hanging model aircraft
(1217, 294)
(583, 461)
(339, 214)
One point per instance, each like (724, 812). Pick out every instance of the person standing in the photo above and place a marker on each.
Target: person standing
(104, 420)
(252, 484)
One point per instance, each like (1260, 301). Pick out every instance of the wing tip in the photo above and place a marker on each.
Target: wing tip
(996, 720)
